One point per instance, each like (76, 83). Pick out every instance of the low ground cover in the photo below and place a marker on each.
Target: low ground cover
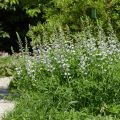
(6, 66)
(68, 80)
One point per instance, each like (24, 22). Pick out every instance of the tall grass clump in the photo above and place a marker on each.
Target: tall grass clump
(71, 78)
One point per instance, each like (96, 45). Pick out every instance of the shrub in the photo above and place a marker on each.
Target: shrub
(71, 80)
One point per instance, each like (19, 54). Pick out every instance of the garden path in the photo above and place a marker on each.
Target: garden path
(5, 105)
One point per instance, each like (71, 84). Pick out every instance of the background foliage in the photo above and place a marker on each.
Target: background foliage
(31, 17)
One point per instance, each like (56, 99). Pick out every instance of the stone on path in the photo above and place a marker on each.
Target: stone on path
(5, 106)
(4, 82)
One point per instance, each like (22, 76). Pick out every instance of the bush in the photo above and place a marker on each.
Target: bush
(67, 80)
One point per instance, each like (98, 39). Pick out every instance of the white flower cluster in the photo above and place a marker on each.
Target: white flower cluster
(29, 64)
(101, 52)
(64, 66)
(19, 72)
(87, 53)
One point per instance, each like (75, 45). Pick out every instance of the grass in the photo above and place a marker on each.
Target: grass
(34, 106)
(69, 81)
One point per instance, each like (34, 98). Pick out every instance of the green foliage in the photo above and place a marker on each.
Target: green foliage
(115, 16)
(34, 101)
(66, 80)
(4, 34)
(72, 13)
(64, 12)
(6, 66)
(6, 4)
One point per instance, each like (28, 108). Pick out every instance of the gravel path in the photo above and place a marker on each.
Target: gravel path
(5, 106)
